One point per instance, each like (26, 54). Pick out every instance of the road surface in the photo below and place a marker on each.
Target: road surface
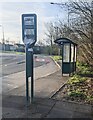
(13, 69)
(13, 63)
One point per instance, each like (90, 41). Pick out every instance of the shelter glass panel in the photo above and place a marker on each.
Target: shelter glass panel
(75, 53)
(72, 53)
(66, 53)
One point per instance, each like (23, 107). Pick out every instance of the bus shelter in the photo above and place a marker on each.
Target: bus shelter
(68, 55)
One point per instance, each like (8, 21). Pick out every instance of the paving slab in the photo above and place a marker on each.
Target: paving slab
(70, 110)
(14, 103)
(73, 106)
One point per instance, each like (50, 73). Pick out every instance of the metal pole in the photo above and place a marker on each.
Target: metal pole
(3, 34)
(27, 80)
(64, 4)
(27, 89)
(32, 78)
(70, 69)
(74, 60)
(3, 39)
(68, 21)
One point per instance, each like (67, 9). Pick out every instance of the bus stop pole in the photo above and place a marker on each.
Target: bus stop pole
(27, 89)
(32, 77)
(27, 81)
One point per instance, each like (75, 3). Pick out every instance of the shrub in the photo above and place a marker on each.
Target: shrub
(84, 68)
(56, 58)
(76, 79)
(77, 93)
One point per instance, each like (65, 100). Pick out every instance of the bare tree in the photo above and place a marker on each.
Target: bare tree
(52, 34)
(82, 25)
(80, 28)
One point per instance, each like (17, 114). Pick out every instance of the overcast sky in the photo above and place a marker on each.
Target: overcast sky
(11, 17)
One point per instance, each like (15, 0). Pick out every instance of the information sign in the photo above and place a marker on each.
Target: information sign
(29, 29)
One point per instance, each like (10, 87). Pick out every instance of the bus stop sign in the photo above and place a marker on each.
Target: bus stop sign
(29, 29)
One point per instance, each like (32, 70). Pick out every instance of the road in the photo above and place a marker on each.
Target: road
(13, 63)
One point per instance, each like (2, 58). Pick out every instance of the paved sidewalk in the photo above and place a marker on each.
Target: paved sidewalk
(16, 80)
(14, 101)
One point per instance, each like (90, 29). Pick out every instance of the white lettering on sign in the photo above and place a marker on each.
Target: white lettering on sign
(29, 20)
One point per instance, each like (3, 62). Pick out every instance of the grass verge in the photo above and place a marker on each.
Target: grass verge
(56, 58)
(78, 88)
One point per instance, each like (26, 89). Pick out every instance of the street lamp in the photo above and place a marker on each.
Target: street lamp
(63, 4)
(3, 39)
